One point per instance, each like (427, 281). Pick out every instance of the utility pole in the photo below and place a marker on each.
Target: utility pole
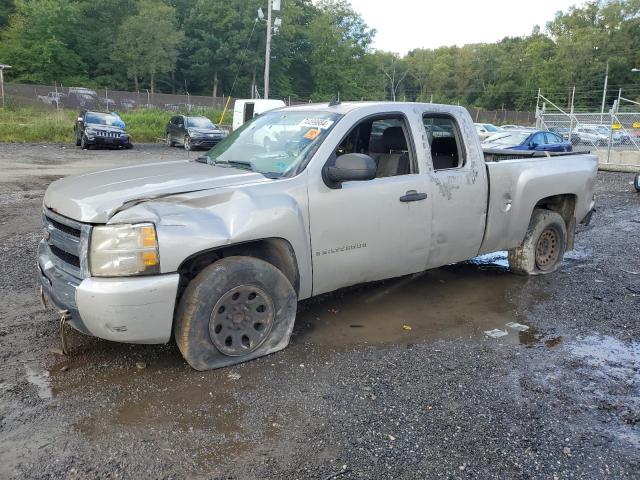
(267, 55)
(2, 69)
(604, 92)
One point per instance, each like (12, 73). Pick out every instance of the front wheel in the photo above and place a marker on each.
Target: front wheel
(543, 247)
(237, 309)
(187, 143)
(84, 142)
(636, 183)
(169, 141)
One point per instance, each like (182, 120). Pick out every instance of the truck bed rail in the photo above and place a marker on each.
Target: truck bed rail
(499, 154)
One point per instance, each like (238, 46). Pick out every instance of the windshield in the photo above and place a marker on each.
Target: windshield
(512, 138)
(199, 122)
(103, 119)
(275, 143)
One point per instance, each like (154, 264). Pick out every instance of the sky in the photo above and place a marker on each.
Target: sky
(403, 25)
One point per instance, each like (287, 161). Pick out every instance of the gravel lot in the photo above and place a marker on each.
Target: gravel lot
(355, 395)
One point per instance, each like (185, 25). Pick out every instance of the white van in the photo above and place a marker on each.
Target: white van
(245, 110)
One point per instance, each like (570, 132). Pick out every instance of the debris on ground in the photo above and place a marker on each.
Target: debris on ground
(141, 365)
(406, 327)
(234, 376)
(517, 326)
(337, 474)
(496, 333)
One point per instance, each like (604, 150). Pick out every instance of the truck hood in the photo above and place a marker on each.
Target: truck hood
(96, 197)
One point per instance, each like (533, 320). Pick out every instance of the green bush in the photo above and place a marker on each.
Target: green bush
(34, 125)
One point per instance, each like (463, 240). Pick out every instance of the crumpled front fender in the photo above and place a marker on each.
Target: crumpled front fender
(188, 224)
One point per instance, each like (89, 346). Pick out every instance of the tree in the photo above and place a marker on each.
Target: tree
(148, 42)
(40, 44)
(7, 7)
(339, 40)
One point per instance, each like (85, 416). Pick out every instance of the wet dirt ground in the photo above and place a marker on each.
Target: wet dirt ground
(390, 380)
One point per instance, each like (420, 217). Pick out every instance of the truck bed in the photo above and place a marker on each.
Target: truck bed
(517, 180)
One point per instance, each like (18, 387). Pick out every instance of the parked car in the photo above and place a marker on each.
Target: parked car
(567, 134)
(539, 140)
(485, 130)
(617, 136)
(217, 251)
(192, 132)
(52, 98)
(102, 129)
(591, 136)
(84, 96)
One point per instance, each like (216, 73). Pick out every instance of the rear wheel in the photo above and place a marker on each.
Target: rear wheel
(237, 309)
(636, 183)
(543, 247)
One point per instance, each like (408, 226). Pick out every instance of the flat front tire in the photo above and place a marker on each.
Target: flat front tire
(84, 142)
(543, 247)
(235, 310)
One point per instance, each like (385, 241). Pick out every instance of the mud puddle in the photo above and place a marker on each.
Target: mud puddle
(458, 301)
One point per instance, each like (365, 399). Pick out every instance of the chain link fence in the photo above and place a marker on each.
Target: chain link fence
(611, 133)
(77, 98)
(104, 99)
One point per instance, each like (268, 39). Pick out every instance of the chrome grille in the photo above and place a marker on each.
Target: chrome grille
(67, 241)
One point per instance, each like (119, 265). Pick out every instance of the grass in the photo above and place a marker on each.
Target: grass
(39, 125)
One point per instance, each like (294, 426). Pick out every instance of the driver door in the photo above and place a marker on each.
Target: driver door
(373, 229)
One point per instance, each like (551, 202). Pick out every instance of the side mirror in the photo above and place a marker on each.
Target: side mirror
(533, 145)
(348, 168)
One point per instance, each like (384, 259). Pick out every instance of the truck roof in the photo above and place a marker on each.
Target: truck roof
(346, 107)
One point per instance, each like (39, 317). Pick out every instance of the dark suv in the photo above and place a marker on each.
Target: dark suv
(97, 128)
(192, 132)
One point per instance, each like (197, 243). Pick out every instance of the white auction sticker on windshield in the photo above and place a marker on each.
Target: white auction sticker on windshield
(321, 123)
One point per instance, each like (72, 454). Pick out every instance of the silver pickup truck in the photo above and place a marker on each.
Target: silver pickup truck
(301, 201)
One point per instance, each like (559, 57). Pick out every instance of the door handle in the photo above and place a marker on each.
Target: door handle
(413, 196)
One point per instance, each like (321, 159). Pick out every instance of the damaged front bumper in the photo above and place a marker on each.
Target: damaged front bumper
(130, 310)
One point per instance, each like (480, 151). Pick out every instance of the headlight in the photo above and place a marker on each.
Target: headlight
(195, 133)
(123, 250)
(90, 131)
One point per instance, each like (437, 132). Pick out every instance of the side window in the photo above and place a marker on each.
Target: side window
(445, 141)
(553, 138)
(538, 139)
(385, 140)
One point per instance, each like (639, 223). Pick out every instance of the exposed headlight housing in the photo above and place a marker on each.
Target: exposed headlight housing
(124, 250)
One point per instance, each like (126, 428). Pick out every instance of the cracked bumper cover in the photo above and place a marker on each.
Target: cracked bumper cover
(130, 310)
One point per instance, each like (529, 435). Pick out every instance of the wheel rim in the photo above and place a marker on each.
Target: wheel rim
(168, 140)
(241, 320)
(548, 249)
(187, 143)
